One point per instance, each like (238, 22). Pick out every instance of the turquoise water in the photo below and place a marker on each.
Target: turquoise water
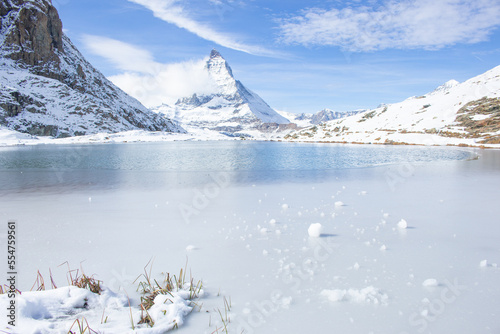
(173, 164)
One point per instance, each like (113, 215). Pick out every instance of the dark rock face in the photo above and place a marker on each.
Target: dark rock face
(35, 35)
(48, 88)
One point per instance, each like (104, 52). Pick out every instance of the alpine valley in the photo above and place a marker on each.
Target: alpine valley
(48, 90)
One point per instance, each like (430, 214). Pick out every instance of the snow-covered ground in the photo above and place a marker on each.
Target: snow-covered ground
(406, 248)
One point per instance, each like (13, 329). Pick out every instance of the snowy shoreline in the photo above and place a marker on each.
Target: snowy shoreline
(14, 138)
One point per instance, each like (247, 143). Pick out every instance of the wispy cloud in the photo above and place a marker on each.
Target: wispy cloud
(408, 24)
(173, 12)
(151, 82)
(121, 55)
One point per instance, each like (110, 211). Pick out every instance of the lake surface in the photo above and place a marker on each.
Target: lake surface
(179, 164)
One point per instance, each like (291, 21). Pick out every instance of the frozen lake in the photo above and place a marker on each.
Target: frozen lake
(240, 213)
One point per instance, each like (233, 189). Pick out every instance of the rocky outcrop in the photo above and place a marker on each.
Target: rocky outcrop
(481, 118)
(34, 36)
(48, 88)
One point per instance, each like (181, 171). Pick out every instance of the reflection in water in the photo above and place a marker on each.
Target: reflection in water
(182, 164)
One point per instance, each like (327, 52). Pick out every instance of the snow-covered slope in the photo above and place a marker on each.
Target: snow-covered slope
(46, 86)
(231, 107)
(455, 113)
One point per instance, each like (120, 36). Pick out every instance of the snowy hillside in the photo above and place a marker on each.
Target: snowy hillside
(47, 88)
(455, 113)
(231, 108)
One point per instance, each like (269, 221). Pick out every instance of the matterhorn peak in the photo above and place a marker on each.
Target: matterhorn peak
(221, 73)
(230, 108)
(215, 54)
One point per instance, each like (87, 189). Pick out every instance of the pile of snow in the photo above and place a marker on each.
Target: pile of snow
(430, 283)
(55, 311)
(368, 295)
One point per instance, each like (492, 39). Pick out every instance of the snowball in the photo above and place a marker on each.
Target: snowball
(483, 264)
(430, 282)
(402, 224)
(315, 230)
(284, 206)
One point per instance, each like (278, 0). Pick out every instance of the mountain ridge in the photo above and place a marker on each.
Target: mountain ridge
(48, 88)
(466, 114)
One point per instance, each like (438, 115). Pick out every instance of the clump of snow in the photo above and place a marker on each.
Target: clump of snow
(315, 230)
(339, 204)
(285, 206)
(430, 282)
(272, 221)
(483, 263)
(383, 248)
(402, 224)
(191, 248)
(368, 295)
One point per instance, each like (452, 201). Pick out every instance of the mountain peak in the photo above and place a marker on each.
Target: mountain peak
(445, 87)
(215, 54)
(220, 71)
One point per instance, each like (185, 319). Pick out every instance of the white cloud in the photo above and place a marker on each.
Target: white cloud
(122, 55)
(409, 24)
(173, 12)
(150, 82)
(168, 85)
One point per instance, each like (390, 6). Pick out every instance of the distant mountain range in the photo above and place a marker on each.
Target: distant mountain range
(325, 115)
(47, 88)
(455, 113)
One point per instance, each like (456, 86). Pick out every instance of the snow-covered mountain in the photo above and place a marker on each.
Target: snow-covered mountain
(325, 115)
(47, 87)
(231, 108)
(455, 113)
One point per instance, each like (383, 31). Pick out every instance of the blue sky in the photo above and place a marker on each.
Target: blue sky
(300, 56)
